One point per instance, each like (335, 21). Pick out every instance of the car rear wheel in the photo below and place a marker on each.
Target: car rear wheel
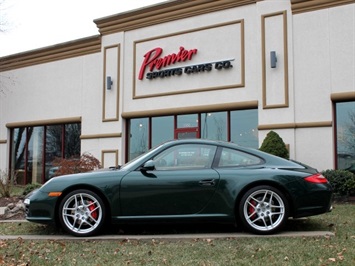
(82, 213)
(263, 210)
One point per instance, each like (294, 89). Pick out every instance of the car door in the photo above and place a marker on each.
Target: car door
(181, 183)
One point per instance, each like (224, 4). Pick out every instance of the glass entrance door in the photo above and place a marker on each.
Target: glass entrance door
(187, 127)
(186, 133)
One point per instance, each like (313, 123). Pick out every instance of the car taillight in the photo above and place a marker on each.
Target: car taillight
(316, 178)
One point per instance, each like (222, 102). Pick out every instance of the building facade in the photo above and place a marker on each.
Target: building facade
(224, 70)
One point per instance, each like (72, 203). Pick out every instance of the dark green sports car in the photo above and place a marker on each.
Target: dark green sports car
(182, 181)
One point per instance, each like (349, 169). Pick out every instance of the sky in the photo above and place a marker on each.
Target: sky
(33, 24)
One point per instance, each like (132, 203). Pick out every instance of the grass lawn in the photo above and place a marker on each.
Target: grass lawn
(338, 250)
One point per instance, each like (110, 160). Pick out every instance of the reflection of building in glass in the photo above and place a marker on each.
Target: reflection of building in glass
(345, 118)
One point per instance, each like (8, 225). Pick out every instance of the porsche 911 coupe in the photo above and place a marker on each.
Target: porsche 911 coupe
(185, 181)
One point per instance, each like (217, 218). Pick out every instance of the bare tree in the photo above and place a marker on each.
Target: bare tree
(349, 134)
(6, 80)
(3, 19)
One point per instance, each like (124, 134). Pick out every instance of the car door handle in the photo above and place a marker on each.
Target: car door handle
(208, 182)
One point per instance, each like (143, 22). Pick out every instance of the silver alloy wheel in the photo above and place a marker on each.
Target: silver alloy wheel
(82, 213)
(264, 210)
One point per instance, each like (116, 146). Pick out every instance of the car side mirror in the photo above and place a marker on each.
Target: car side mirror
(148, 166)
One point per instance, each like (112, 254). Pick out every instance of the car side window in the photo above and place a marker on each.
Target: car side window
(233, 158)
(185, 156)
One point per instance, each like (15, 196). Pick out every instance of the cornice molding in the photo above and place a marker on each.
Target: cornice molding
(44, 122)
(192, 109)
(147, 16)
(165, 12)
(56, 52)
(101, 136)
(302, 6)
(295, 125)
(343, 96)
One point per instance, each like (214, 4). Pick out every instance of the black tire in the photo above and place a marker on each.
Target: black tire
(82, 213)
(263, 210)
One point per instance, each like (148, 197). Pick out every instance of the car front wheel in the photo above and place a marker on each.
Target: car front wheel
(82, 213)
(263, 210)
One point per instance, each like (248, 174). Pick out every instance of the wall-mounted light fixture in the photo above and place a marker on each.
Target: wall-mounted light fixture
(273, 59)
(108, 82)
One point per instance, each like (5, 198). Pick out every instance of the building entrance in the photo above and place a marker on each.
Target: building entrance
(186, 133)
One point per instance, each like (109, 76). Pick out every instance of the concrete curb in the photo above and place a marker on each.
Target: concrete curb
(13, 221)
(169, 237)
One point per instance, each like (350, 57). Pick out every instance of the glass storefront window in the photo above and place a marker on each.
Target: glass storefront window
(214, 126)
(72, 140)
(162, 129)
(345, 135)
(35, 154)
(33, 150)
(138, 142)
(18, 158)
(54, 135)
(244, 128)
(237, 126)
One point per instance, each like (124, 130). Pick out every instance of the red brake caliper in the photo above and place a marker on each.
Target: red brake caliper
(91, 208)
(251, 209)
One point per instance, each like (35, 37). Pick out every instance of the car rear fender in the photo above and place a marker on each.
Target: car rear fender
(267, 183)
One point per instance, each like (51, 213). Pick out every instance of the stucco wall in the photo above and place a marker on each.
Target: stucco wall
(324, 63)
(316, 58)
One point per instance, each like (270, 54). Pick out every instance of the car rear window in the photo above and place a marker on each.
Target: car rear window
(233, 158)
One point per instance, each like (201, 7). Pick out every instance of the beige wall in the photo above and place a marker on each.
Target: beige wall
(314, 44)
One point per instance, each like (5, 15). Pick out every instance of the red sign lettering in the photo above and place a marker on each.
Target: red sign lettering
(152, 59)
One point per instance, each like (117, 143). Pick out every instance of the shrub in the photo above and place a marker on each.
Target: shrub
(30, 187)
(6, 184)
(342, 181)
(274, 144)
(85, 163)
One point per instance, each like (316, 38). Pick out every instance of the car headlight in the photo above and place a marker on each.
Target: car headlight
(27, 201)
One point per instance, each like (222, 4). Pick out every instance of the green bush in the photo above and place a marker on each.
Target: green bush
(30, 187)
(274, 144)
(342, 181)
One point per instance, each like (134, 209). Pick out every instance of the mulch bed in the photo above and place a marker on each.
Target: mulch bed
(5, 201)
